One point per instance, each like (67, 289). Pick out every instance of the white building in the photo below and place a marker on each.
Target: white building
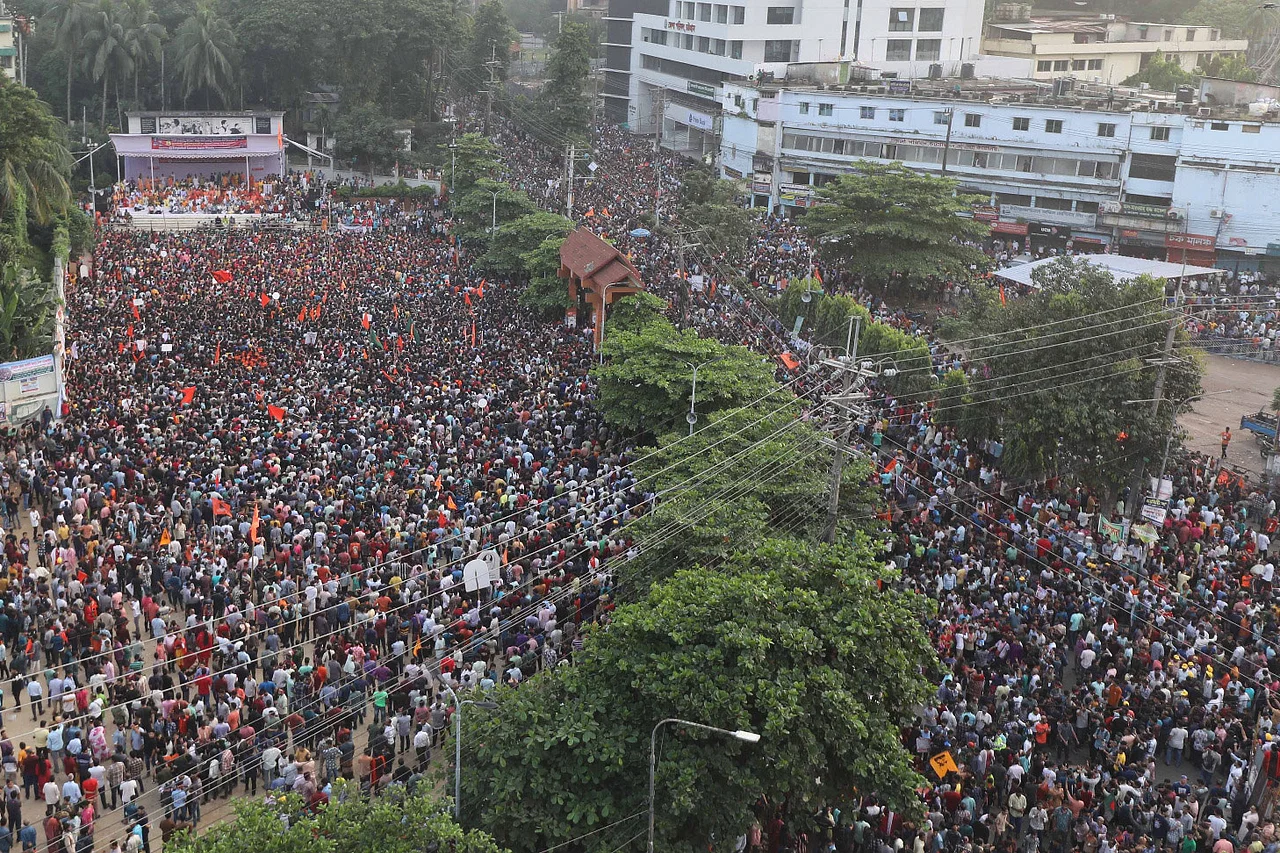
(8, 46)
(666, 59)
(1144, 178)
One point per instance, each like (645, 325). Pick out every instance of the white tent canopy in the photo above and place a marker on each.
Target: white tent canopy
(1122, 267)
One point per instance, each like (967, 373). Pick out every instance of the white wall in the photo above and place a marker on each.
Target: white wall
(960, 37)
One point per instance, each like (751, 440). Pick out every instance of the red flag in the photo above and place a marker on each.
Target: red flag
(264, 299)
(220, 507)
(480, 289)
(466, 297)
(275, 412)
(366, 320)
(1003, 301)
(605, 213)
(395, 310)
(129, 331)
(217, 353)
(136, 315)
(188, 394)
(399, 344)
(222, 276)
(253, 527)
(315, 313)
(473, 333)
(302, 314)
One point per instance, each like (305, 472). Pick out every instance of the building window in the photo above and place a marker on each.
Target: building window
(1106, 129)
(722, 13)
(1053, 125)
(781, 15)
(739, 13)
(777, 50)
(1251, 128)
(825, 109)
(704, 12)
(979, 159)
(1025, 163)
(1159, 134)
(898, 50)
(735, 49)
(1095, 64)
(888, 152)
(1022, 123)
(1044, 65)
(931, 20)
(972, 120)
(717, 47)
(1061, 64)
(1077, 65)
(897, 115)
(1152, 167)
(867, 112)
(1191, 34)
(1219, 125)
(928, 50)
(902, 20)
(942, 117)
(689, 12)
(704, 44)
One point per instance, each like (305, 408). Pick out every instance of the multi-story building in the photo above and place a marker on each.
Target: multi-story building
(8, 46)
(1149, 177)
(1103, 49)
(666, 59)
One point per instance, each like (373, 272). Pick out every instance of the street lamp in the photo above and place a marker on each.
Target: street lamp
(457, 745)
(740, 734)
(494, 225)
(692, 417)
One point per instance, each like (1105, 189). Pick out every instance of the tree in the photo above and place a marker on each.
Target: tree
(1229, 67)
(107, 52)
(35, 168)
(794, 641)
(646, 380)
(567, 109)
(709, 204)
(367, 138)
(143, 38)
(26, 314)
(281, 46)
(1059, 366)
(484, 201)
(473, 157)
(395, 822)
(514, 240)
(893, 223)
(1162, 74)
(68, 18)
(632, 313)
(491, 39)
(1235, 18)
(205, 45)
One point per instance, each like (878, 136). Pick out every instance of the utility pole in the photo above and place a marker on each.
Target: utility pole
(659, 111)
(852, 373)
(1161, 364)
(946, 146)
(569, 173)
(685, 296)
(492, 67)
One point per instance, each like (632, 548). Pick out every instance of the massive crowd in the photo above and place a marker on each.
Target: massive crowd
(310, 481)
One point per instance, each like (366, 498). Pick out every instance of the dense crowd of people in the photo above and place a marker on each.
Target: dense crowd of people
(310, 482)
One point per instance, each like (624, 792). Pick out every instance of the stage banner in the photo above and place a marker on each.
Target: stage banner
(198, 143)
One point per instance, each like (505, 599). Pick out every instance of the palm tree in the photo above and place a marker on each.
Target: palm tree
(106, 51)
(143, 37)
(34, 163)
(68, 19)
(206, 45)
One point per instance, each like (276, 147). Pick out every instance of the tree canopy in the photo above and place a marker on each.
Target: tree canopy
(367, 138)
(511, 244)
(793, 641)
(1162, 74)
(893, 223)
(563, 99)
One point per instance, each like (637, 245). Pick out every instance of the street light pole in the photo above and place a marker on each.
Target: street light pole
(740, 734)
(692, 417)
(494, 225)
(457, 745)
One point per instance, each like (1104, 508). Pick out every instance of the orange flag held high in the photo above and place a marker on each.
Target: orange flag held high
(1003, 301)
(217, 353)
(366, 321)
(253, 527)
(165, 538)
(473, 333)
(264, 299)
(275, 412)
(136, 315)
(302, 314)
(221, 507)
(466, 297)
(395, 310)
(480, 289)
(315, 313)
(188, 394)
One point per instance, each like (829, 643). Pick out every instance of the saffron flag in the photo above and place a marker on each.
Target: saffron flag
(395, 310)
(275, 412)
(264, 299)
(165, 538)
(188, 394)
(136, 315)
(302, 314)
(473, 333)
(253, 527)
(366, 321)
(1003, 301)
(466, 297)
(217, 353)
(221, 507)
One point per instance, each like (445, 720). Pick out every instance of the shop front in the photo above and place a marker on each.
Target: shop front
(1195, 250)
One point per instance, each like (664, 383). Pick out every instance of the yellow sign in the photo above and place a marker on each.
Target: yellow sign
(942, 764)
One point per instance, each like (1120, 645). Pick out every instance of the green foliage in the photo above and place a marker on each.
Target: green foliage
(547, 296)
(491, 39)
(563, 99)
(107, 53)
(1060, 371)
(476, 208)
(632, 313)
(1230, 67)
(1162, 74)
(69, 19)
(473, 158)
(1235, 18)
(366, 137)
(790, 640)
(827, 323)
(514, 240)
(35, 168)
(395, 822)
(26, 315)
(399, 190)
(205, 46)
(892, 223)
(723, 226)
(646, 380)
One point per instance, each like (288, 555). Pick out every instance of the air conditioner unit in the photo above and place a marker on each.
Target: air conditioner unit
(1174, 214)
(1204, 112)
(1215, 213)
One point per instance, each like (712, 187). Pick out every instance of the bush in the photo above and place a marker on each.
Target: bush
(399, 190)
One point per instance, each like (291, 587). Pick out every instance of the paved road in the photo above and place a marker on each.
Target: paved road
(1250, 385)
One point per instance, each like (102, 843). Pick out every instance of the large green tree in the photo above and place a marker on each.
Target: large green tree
(563, 100)
(205, 46)
(367, 138)
(491, 38)
(646, 380)
(34, 168)
(396, 822)
(1059, 369)
(144, 37)
(69, 19)
(486, 201)
(107, 55)
(513, 241)
(894, 224)
(708, 205)
(793, 641)
(472, 157)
